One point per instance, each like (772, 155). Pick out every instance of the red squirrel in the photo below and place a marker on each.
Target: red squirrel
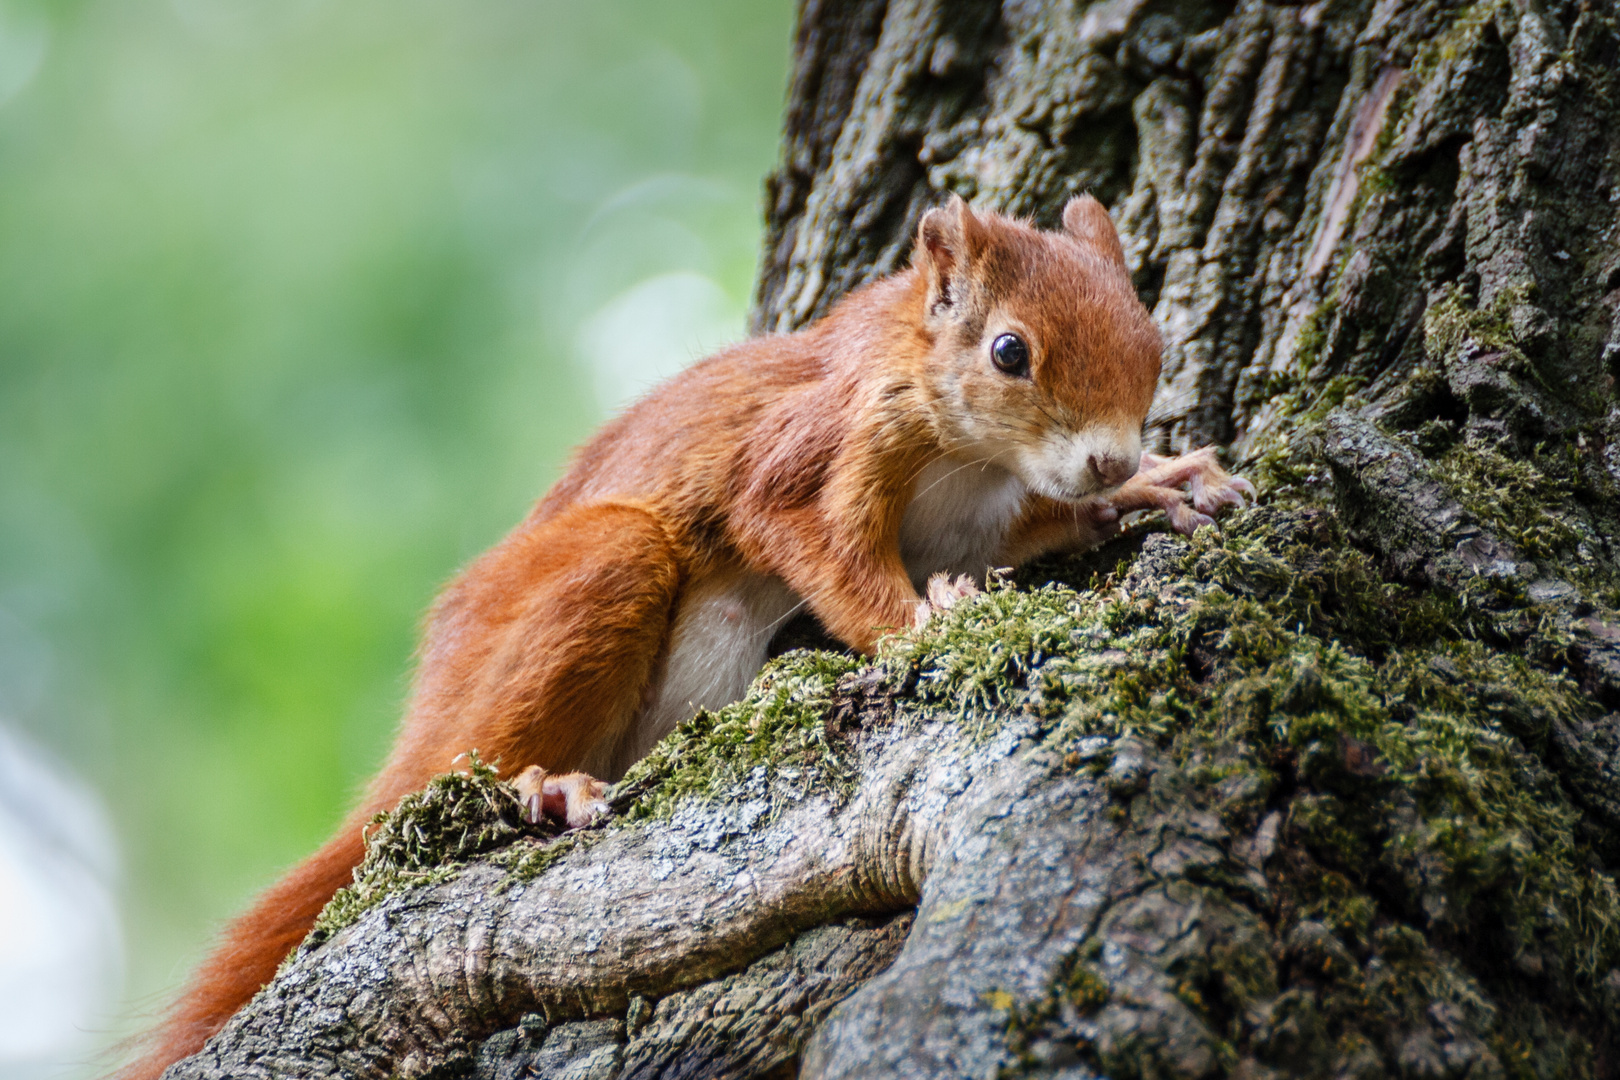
(981, 407)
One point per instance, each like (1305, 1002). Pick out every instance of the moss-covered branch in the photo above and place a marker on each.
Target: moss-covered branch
(1161, 818)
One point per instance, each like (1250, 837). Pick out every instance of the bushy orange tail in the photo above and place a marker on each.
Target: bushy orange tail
(250, 950)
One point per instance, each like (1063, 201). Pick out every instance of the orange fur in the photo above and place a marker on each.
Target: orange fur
(784, 467)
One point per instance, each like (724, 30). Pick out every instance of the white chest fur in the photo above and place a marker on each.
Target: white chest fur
(958, 519)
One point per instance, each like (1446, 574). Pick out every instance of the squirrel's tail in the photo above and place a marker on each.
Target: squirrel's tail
(250, 950)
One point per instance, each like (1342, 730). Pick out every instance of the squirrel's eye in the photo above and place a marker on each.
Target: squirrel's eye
(1010, 354)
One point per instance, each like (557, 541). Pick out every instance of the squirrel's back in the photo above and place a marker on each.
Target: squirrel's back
(685, 445)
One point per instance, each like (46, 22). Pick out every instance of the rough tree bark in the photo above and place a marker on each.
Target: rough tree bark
(1333, 792)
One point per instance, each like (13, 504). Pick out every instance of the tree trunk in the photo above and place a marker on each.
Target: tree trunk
(1331, 793)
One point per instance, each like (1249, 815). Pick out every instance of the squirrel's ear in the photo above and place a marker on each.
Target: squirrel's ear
(1085, 219)
(949, 238)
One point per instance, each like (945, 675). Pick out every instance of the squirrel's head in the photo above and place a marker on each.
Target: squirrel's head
(1044, 360)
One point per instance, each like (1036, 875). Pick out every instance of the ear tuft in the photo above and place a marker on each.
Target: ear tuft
(948, 238)
(1085, 219)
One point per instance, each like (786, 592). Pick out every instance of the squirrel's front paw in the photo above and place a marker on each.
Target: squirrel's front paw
(1190, 489)
(576, 798)
(942, 594)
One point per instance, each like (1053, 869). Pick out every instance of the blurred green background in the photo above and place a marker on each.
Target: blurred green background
(301, 304)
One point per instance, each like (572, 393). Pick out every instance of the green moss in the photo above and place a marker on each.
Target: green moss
(1516, 497)
(1279, 671)
(1078, 991)
(1110, 661)
(1452, 321)
(1461, 31)
(1538, 501)
(1331, 898)
(976, 657)
(1279, 464)
(1479, 836)
(1298, 398)
(1276, 668)
(1086, 989)
(426, 839)
(526, 859)
(777, 731)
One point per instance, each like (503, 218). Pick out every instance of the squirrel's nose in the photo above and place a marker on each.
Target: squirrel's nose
(1113, 470)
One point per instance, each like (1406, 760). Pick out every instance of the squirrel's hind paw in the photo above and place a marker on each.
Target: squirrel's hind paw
(942, 594)
(577, 798)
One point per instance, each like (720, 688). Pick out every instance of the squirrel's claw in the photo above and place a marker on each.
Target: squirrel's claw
(577, 798)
